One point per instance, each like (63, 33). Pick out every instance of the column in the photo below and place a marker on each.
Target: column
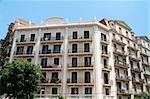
(36, 48)
(13, 48)
(98, 68)
(64, 67)
(111, 63)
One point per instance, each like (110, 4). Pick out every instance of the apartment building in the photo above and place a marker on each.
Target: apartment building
(86, 59)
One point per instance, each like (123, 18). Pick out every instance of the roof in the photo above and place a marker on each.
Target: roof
(144, 38)
(124, 24)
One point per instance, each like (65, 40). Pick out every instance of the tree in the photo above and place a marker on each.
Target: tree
(20, 79)
(143, 95)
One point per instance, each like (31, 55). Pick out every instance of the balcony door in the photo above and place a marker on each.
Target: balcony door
(56, 49)
(74, 48)
(87, 77)
(105, 78)
(75, 35)
(74, 77)
(44, 49)
(22, 38)
(58, 36)
(74, 62)
(29, 49)
(87, 61)
(47, 36)
(86, 47)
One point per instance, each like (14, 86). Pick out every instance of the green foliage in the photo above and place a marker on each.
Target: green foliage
(60, 97)
(143, 95)
(20, 79)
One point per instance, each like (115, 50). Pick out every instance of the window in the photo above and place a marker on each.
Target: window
(113, 34)
(22, 38)
(42, 90)
(29, 59)
(74, 62)
(121, 38)
(20, 50)
(105, 62)
(74, 48)
(74, 90)
(88, 90)
(56, 61)
(131, 63)
(29, 49)
(75, 35)
(87, 61)
(56, 49)
(54, 75)
(87, 77)
(44, 62)
(86, 47)
(104, 49)
(120, 97)
(106, 78)
(128, 42)
(117, 72)
(86, 34)
(54, 90)
(120, 30)
(126, 33)
(123, 49)
(32, 37)
(58, 36)
(115, 46)
(74, 77)
(47, 36)
(107, 91)
(139, 75)
(103, 37)
(127, 86)
(45, 49)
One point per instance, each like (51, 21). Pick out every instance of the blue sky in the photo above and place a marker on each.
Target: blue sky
(133, 12)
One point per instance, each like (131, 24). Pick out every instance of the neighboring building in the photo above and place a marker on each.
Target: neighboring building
(1, 49)
(6, 44)
(84, 60)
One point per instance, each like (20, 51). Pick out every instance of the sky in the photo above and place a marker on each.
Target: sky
(136, 13)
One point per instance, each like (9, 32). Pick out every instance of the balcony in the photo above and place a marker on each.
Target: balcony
(118, 41)
(80, 39)
(104, 41)
(79, 96)
(52, 40)
(25, 41)
(80, 67)
(49, 53)
(51, 67)
(123, 92)
(80, 82)
(107, 83)
(121, 78)
(146, 64)
(135, 69)
(107, 68)
(134, 58)
(105, 54)
(24, 54)
(51, 82)
(135, 48)
(119, 52)
(147, 73)
(79, 52)
(137, 81)
(121, 64)
(108, 97)
(144, 54)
